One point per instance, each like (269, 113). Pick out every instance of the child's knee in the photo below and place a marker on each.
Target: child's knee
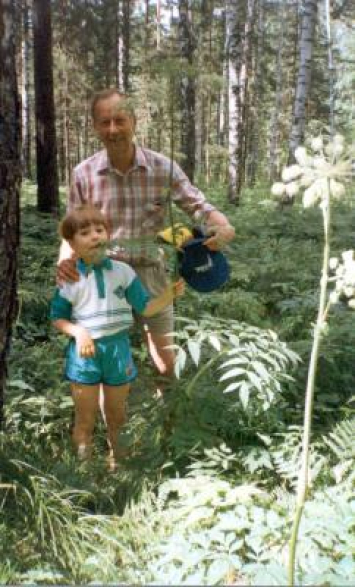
(117, 417)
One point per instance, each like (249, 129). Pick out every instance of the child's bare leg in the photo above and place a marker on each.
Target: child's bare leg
(86, 403)
(115, 413)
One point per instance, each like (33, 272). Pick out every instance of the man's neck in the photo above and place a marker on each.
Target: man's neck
(122, 161)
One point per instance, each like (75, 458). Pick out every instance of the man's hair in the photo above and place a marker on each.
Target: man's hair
(79, 218)
(108, 93)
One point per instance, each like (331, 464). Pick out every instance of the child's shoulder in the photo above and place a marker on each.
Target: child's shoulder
(121, 266)
(123, 269)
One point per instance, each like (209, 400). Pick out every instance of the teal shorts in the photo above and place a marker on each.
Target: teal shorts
(112, 363)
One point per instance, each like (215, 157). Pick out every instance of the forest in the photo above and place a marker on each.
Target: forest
(242, 471)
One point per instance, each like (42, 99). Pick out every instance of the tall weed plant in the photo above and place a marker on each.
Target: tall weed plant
(320, 173)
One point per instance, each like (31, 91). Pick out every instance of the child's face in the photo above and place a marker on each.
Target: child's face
(89, 242)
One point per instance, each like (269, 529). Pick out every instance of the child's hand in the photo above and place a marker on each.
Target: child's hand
(85, 344)
(178, 288)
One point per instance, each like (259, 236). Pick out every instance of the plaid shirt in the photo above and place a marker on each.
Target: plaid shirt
(136, 203)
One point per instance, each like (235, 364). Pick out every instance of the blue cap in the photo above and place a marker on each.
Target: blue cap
(202, 269)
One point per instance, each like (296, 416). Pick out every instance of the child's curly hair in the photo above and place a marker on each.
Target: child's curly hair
(81, 217)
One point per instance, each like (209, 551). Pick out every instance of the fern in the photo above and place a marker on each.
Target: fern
(342, 443)
(342, 440)
(286, 457)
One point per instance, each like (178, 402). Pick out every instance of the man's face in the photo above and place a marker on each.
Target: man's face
(114, 124)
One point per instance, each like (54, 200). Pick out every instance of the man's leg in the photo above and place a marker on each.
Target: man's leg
(114, 406)
(162, 357)
(157, 329)
(86, 403)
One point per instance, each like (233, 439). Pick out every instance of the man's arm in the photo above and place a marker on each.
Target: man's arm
(66, 264)
(193, 202)
(222, 231)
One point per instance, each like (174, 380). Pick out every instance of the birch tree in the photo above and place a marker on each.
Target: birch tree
(240, 19)
(307, 29)
(9, 183)
(126, 48)
(274, 164)
(26, 92)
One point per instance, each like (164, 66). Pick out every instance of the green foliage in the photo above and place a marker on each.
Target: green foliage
(253, 362)
(221, 532)
(207, 493)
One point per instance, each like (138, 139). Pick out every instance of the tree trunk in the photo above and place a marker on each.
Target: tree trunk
(274, 158)
(126, 37)
(234, 146)
(244, 86)
(25, 94)
(255, 112)
(240, 22)
(187, 89)
(46, 145)
(10, 177)
(308, 22)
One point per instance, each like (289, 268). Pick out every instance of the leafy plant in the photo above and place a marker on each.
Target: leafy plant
(319, 173)
(253, 361)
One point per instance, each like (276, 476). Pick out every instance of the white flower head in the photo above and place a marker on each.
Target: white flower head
(348, 256)
(320, 163)
(301, 156)
(307, 178)
(334, 149)
(351, 303)
(337, 189)
(310, 196)
(292, 188)
(291, 172)
(333, 263)
(278, 189)
(334, 297)
(349, 291)
(317, 144)
(338, 139)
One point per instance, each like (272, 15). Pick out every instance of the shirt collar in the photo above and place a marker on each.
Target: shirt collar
(97, 268)
(86, 268)
(140, 160)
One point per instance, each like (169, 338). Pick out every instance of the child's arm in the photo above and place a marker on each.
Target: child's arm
(155, 305)
(84, 342)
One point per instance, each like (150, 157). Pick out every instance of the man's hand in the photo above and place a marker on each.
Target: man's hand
(67, 271)
(84, 343)
(220, 236)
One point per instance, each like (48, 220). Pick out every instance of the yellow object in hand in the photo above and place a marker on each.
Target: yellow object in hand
(177, 235)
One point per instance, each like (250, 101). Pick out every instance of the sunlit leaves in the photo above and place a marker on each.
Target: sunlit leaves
(249, 361)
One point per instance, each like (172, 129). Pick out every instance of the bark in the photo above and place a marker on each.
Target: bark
(239, 22)
(10, 178)
(187, 88)
(274, 165)
(126, 39)
(308, 21)
(203, 57)
(46, 144)
(25, 93)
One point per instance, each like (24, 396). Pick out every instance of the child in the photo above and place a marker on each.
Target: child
(96, 313)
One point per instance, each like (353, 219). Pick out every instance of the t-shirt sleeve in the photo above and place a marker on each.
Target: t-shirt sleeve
(137, 295)
(60, 308)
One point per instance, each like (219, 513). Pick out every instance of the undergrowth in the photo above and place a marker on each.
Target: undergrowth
(207, 494)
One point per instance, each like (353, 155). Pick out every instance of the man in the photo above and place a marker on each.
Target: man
(130, 185)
